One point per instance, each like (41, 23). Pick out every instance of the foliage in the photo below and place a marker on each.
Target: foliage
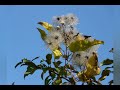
(62, 66)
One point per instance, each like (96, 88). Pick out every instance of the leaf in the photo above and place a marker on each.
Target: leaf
(57, 69)
(82, 45)
(48, 57)
(35, 58)
(111, 50)
(69, 66)
(108, 67)
(53, 75)
(45, 69)
(58, 81)
(47, 80)
(30, 70)
(42, 32)
(110, 82)
(92, 69)
(18, 64)
(57, 53)
(56, 64)
(13, 83)
(46, 25)
(25, 60)
(42, 60)
(72, 81)
(106, 62)
(42, 75)
(104, 74)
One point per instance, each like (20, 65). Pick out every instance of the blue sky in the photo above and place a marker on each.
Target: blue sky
(20, 38)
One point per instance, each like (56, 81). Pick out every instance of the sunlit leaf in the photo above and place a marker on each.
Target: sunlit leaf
(42, 32)
(82, 45)
(46, 25)
(106, 62)
(57, 53)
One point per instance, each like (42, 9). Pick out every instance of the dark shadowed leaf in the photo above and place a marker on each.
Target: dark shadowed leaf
(18, 64)
(30, 70)
(111, 50)
(69, 66)
(106, 62)
(56, 64)
(42, 75)
(110, 82)
(48, 58)
(72, 81)
(13, 83)
(35, 58)
(104, 74)
(47, 80)
(52, 74)
(108, 67)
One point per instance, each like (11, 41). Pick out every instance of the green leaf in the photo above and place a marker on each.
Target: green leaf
(45, 69)
(47, 80)
(56, 64)
(108, 67)
(42, 60)
(106, 62)
(72, 81)
(52, 74)
(30, 70)
(35, 58)
(69, 66)
(42, 32)
(42, 74)
(18, 64)
(48, 57)
(57, 69)
(58, 81)
(25, 60)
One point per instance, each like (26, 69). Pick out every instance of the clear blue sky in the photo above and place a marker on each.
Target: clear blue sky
(20, 39)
